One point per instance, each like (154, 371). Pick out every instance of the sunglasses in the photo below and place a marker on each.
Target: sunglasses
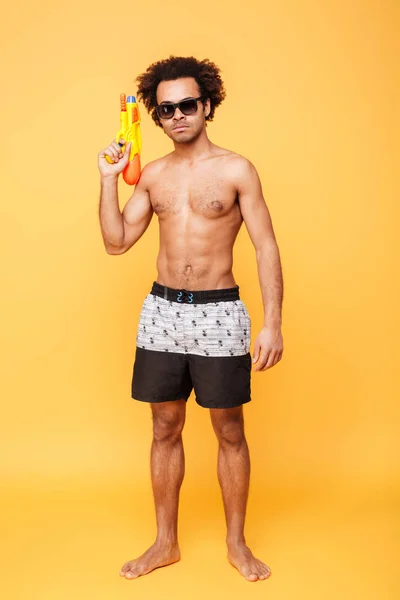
(166, 110)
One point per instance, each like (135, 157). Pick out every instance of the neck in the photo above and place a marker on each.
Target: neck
(197, 148)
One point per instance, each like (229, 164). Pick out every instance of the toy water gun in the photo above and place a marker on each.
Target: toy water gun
(130, 132)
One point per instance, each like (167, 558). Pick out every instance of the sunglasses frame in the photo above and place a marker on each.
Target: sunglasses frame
(175, 105)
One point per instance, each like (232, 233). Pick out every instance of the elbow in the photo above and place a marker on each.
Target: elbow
(266, 245)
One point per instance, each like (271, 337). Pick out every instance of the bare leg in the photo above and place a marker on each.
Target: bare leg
(167, 472)
(234, 477)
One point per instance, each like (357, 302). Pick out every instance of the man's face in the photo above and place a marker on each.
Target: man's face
(191, 125)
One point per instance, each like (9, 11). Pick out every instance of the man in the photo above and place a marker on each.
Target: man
(194, 331)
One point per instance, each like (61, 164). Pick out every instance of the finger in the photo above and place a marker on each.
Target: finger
(127, 152)
(107, 152)
(116, 147)
(271, 361)
(115, 151)
(274, 358)
(256, 352)
(261, 361)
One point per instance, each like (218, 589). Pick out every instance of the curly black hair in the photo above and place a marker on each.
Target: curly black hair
(205, 72)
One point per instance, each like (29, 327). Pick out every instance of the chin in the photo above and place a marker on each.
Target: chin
(179, 137)
(187, 136)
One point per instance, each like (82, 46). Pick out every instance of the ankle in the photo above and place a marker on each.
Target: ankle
(166, 541)
(235, 540)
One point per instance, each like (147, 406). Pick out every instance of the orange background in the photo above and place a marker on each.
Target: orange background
(312, 101)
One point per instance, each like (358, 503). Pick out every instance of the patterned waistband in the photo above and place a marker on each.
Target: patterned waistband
(196, 296)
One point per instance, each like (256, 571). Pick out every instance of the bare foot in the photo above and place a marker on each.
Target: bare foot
(241, 557)
(157, 555)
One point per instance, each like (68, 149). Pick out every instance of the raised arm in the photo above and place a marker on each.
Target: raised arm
(121, 231)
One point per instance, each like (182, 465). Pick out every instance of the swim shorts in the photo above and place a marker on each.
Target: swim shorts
(193, 339)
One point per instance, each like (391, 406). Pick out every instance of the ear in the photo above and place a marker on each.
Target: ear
(207, 107)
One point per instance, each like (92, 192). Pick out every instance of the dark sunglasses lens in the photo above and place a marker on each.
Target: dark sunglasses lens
(166, 111)
(188, 107)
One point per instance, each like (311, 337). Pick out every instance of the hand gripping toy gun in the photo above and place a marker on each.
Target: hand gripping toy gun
(130, 132)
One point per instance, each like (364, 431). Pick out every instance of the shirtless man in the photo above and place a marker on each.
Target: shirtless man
(194, 331)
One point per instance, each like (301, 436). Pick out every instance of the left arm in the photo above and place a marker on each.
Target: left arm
(269, 344)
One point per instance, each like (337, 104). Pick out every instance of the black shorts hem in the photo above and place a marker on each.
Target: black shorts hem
(233, 405)
(157, 400)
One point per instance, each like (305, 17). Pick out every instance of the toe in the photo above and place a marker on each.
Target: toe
(131, 574)
(251, 576)
(126, 567)
(264, 572)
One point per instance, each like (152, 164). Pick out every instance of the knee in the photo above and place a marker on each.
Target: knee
(230, 433)
(167, 426)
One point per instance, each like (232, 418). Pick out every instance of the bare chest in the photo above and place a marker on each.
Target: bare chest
(208, 194)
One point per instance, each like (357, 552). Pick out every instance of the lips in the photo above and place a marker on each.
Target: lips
(180, 127)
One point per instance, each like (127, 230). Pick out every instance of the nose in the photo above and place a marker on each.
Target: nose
(178, 114)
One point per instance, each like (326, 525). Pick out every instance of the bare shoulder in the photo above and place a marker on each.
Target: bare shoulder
(240, 164)
(153, 169)
(238, 168)
(232, 160)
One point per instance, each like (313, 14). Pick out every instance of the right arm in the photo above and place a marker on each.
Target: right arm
(120, 231)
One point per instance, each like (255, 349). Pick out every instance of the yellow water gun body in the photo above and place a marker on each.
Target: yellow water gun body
(130, 132)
